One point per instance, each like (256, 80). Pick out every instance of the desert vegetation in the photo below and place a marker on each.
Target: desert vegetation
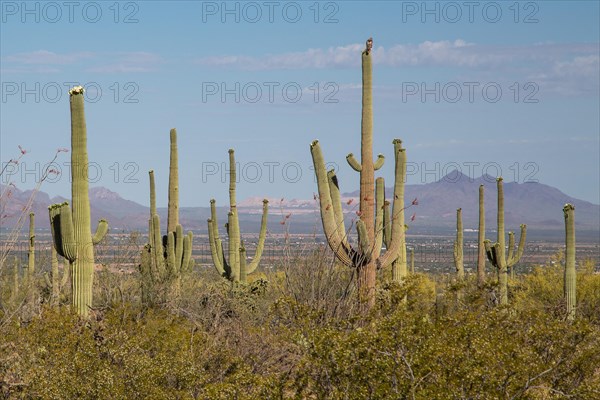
(345, 320)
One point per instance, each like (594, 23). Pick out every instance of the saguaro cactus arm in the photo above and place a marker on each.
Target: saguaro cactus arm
(61, 224)
(330, 227)
(187, 262)
(214, 227)
(157, 250)
(490, 252)
(217, 258)
(261, 241)
(515, 256)
(398, 229)
(379, 162)
(379, 216)
(363, 242)
(511, 246)
(336, 202)
(387, 224)
(179, 247)
(171, 253)
(101, 231)
(353, 162)
(502, 274)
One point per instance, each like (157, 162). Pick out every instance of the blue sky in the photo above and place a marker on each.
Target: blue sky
(507, 88)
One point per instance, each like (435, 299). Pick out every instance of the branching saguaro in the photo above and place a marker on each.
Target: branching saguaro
(367, 257)
(71, 229)
(165, 258)
(570, 286)
(496, 253)
(235, 269)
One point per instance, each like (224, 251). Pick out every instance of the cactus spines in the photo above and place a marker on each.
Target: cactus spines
(481, 257)
(496, 253)
(71, 230)
(376, 223)
(236, 268)
(570, 286)
(458, 246)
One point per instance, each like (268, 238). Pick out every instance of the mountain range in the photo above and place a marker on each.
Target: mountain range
(535, 204)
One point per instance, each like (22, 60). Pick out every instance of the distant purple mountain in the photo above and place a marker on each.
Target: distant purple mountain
(535, 204)
(104, 203)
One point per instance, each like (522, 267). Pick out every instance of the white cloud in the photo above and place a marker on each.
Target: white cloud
(445, 53)
(578, 75)
(129, 63)
(46, 57)
(333, 57)
(564, 68)
(40, 61)
(586, 65)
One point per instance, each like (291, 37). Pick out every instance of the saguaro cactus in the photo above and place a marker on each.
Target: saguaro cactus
(480, 240)
(496, 253)
(570, 286)
(14, 294)
(173, 205)
(53, 282)
(399, 265)
(31, 252)
(458, 246)
(367, 257)
(71, 232)
(165, 258)
(236, 269)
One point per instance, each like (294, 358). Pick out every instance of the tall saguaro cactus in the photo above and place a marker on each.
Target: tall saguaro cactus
(165, 258)
(458, 246)
(173, 205)
(367, 257)
(481, 257)
(570, 286)
(235, 269)
(496, 253)
(71, 229)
